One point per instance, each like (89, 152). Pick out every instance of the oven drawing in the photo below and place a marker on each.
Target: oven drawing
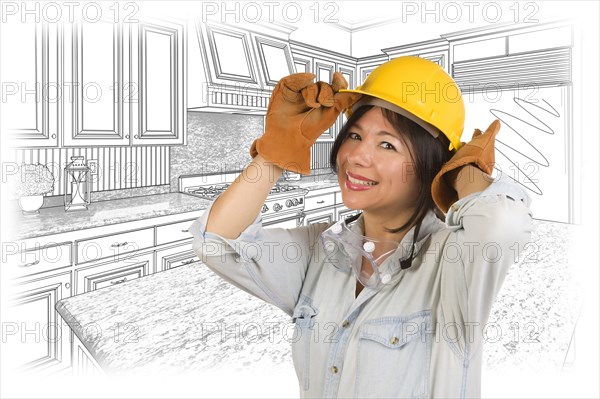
(284, 206)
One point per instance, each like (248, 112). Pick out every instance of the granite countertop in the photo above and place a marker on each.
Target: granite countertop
(55, 220)
(189, 319)
(185, 319)
(101, 213)
(316, 182)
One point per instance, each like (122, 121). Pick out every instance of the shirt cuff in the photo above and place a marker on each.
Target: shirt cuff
(501, 185)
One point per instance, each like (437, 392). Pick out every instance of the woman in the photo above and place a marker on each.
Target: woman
(394, 302)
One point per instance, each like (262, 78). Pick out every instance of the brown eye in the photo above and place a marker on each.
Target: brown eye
(388, 146)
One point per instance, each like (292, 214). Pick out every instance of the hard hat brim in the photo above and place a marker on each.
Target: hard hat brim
(369, 99)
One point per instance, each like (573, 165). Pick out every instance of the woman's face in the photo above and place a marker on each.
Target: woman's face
(375, 169)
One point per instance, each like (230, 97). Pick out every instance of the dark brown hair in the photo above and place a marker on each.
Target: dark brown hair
(427, 152)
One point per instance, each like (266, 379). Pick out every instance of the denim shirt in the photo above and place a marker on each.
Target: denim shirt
(419, 336)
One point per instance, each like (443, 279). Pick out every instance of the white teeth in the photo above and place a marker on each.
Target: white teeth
(361, 182)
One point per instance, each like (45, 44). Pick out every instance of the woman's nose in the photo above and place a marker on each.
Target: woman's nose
(360, 154)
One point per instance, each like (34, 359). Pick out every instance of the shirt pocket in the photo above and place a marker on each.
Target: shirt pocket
(394, 354)
(304, 321)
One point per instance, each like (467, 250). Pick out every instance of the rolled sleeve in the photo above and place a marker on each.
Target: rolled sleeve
(269, 263)
(491, 229)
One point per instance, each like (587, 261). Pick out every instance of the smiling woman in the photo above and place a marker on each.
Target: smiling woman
(397, 150)
(393, 301)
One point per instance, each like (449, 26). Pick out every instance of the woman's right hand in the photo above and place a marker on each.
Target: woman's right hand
(299, 112)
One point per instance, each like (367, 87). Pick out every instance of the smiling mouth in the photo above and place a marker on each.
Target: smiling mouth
(361, 182)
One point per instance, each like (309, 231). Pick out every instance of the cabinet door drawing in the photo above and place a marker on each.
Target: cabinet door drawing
(30, 83)
(275, 59)
(96, 61)
(158, 73)
(324, 71)
(535, 144)
(531, 94)
(303, 63)
(111, 273)
(35, 337)
(228, 55)
(176, 256)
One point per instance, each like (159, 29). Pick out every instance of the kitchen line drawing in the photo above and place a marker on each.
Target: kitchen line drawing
(160, 107)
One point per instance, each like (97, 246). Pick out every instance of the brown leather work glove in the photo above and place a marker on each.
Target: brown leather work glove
(299, 112)
(479, 152)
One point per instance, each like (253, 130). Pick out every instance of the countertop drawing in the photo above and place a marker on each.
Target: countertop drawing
(188, 319)
(101, 213)
(55, 220)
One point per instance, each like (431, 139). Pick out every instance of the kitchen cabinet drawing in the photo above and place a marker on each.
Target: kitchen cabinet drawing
(242, 67)
(163, 103)
(95, 83)
(535, 146)
(30, 120)
(529, 89)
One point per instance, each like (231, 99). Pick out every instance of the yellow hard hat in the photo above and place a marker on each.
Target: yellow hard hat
(420, 90)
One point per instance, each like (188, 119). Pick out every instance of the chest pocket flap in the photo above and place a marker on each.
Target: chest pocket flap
(397, 351)
(395, 332)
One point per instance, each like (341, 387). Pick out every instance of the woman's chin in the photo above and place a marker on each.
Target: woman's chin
(352, 203)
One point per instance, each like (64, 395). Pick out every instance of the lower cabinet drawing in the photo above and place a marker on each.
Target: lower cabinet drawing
(40, 271)
(34, 337)
(110, 273)
(175, 256)
(83, 363)
(342, 213)
(322, 216)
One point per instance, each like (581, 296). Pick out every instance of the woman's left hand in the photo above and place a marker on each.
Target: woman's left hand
(480, 152)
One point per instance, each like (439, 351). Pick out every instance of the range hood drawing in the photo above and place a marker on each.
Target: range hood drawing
(241, 67)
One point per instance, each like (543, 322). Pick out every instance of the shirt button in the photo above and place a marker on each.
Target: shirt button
(345, 324)
(334, 370)
(454, 207)
(394, 340)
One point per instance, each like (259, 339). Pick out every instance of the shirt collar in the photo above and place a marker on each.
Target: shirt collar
(430, 224)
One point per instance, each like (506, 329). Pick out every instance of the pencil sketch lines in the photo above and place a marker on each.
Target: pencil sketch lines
(526, 127)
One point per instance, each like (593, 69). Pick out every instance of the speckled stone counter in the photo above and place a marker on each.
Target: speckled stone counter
(189, 319)
(316, 182)
(56, 220)
(532, 321)
(182, 320)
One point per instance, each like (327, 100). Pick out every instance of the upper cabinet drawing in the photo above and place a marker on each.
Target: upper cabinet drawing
(158, 112)
(96, 83)
(275, 58)
(526, 83)
(323, 64)
(241, 67)
(30, 83)
(96, 61)
(129, 83)
(229, 56)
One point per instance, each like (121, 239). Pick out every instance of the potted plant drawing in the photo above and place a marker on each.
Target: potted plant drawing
(31, 183)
